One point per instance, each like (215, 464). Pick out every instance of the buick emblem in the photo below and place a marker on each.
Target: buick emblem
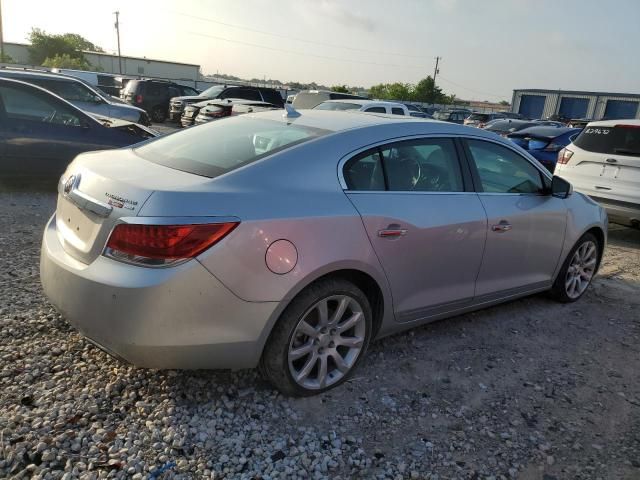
(70, 183)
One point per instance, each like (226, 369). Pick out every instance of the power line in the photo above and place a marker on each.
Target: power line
(286, 37)
(304, 54)
(471, 89)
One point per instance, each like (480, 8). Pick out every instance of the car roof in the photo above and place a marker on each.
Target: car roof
(31, 74)
(613, 123)
(368, 103)
(337, 121)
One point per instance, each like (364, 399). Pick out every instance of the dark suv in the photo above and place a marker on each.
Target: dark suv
(219, 92)
(153, 96)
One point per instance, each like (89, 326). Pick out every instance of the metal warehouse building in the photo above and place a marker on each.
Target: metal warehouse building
(571, 104)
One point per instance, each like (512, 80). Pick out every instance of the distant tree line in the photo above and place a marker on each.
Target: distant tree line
(425, 91)
(61, 51)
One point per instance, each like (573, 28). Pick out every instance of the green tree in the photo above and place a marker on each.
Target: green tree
(391, 91)
(67, 61)
(67, 46)
(340, 88)
(428, 92)
(504, 102)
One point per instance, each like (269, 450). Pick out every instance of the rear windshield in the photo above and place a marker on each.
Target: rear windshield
(337, 106)
(224, 145)
(621, 139)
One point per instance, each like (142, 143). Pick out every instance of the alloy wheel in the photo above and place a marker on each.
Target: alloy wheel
(581, 269)
(326, 342)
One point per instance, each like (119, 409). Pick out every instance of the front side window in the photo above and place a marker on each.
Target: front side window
(70, 91)
(220, 147)
(501, 170)
(425, 165)
(20, 104)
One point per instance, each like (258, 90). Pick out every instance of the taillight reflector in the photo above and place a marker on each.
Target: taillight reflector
(564, 156)
(161, 245)
(138, 98)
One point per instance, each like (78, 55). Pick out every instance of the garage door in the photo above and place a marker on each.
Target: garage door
(620, 109)
(531, 106)
(571, 107)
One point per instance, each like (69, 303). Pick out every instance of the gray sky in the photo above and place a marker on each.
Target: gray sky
(489, 47)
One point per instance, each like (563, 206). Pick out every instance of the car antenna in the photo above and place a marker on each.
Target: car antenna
(290, 112)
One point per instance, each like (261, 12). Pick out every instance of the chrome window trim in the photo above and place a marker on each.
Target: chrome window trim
(354, 153)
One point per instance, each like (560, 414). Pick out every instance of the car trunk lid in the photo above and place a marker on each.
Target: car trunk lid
(99, 188)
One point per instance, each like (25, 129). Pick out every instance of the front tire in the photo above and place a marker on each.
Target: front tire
(319, 340)
(578, 270)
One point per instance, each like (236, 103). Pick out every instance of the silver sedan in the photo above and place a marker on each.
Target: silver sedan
(291, 241)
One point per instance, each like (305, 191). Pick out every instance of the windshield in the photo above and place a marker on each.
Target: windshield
(337, 106)
(225, 145)
(620, 139)
(213, 92)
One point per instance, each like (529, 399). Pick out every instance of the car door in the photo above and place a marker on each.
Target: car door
(424, 222)
(526, 225)
(42, 134)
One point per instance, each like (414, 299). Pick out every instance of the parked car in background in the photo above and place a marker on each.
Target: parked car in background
(414, 111)
(220, 92)
(80, 94)
(549, 123)
(452, 116)
(230, 107)
(311, 98)
(506, 126)
(604, 163)
(544, 143)
(108, 83)
(481, 119)
(515, 116)
(290, 98)
(40, 133)
(281, 240)
(153, 96)
(371, 106)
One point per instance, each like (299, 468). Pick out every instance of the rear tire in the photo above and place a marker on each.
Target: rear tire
(578, 270)
(158, 114)
(319, 339)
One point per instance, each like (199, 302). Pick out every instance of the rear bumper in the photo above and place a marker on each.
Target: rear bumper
(624, 213)
(180, 317)
(175, 113)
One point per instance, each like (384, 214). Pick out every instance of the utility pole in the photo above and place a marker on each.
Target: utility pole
(436, 71)
(1, 38)
(117, 14)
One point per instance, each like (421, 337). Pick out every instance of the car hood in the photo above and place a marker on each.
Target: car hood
(124, 125)
(190, 99)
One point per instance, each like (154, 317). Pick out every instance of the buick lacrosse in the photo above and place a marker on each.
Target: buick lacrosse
(289, 241)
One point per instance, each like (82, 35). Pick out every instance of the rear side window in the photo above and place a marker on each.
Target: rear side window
(376, 110)
(501, 170)
(425, 165)
(397, 111)
(621, 139)
(220, 147)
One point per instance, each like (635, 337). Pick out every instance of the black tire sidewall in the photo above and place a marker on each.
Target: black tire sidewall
(275, 363)
(559, 290)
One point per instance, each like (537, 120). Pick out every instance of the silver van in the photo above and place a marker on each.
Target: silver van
(311, 98)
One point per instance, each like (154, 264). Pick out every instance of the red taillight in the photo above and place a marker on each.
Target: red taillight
(138, 98)
(564, 156)
(162, 245)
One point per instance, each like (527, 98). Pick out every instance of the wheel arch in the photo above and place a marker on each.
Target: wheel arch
(373, 284)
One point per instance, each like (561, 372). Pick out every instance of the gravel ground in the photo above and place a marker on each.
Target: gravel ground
(529, 390)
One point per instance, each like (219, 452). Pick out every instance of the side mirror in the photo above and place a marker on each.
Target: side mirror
(560, 188)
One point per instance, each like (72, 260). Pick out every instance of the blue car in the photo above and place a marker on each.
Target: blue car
(544, 143)
(40, 133)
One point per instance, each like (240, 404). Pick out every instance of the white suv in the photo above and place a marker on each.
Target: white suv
(604, 163)
(371, 106)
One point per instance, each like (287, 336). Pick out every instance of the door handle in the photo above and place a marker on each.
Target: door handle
(501, 227)
(601, 188)
(392, 233)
